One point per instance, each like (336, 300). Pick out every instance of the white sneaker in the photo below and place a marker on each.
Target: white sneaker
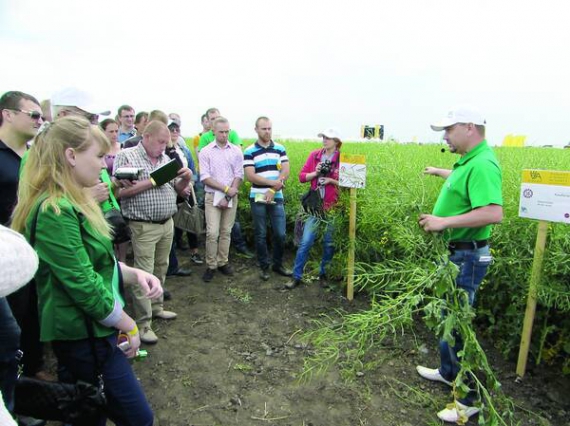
(148, 336)
(432, 374)
(456, 412)
(165, 315)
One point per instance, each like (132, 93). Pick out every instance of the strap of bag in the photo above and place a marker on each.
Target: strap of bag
(88, 322)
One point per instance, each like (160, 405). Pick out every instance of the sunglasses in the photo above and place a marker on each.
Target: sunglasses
(174, 129)
(34, 115)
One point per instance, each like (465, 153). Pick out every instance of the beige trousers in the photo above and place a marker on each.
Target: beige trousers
(151, 247)
(219, 224)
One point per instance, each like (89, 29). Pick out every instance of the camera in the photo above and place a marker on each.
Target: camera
(326, 167)
(128, 173)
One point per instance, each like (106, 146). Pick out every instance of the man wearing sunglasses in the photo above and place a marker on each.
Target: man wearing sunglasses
(20, 120)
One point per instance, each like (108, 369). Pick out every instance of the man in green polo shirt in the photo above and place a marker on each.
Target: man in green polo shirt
(208, 137)
(468, 204)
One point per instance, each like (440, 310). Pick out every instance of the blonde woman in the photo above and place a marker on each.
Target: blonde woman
(78, 279)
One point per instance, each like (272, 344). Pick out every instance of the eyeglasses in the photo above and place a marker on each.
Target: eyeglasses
(34, 115)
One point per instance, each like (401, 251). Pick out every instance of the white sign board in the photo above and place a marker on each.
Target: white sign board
(352, 173)
(545, 195)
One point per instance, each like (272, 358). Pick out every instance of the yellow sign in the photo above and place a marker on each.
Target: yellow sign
(352, 158)
(546, 177)
(352, 173)
(514, 140)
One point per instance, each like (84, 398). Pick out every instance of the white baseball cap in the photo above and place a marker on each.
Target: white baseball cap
(71, 96)
(330, 133)
(461, 114)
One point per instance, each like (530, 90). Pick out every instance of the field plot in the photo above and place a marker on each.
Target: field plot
(238, 353)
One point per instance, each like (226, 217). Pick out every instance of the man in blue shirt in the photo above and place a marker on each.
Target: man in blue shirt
(266, 166)
(126, 117)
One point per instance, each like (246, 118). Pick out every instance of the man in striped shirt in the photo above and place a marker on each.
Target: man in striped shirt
(266, 166)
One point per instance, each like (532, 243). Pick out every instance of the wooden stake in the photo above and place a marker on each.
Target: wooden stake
(352, 242)
(534, 282)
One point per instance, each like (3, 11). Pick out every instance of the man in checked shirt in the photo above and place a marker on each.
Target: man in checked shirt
(149, 210)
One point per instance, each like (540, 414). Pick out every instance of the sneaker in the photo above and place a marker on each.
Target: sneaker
(456, 412)
(244, 252)
(180, 272)
(196, 258)
(264, 274)
(432, 374)
(282, 271)
(226, 270)
(290, 285)
(148, 336)
(165, 315)
(30, 421)
(208, 275)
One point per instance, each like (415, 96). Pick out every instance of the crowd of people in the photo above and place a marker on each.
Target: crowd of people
(59, 188)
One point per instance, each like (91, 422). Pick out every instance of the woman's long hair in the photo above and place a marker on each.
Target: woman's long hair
(47, 172)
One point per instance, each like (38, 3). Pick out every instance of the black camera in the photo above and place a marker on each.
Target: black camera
(128, 173)
(326, 168)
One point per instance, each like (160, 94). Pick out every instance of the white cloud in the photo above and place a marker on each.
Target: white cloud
(307, 64)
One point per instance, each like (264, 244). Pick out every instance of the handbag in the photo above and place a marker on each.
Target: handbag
(121, 231)
(66, 402)
(190, 218)
(312, 202)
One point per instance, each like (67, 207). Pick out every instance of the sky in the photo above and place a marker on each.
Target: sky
(307, 64)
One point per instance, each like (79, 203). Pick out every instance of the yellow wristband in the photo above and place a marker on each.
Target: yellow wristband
(152, 182)
(272, 191)
(133, 332)
(226, 189)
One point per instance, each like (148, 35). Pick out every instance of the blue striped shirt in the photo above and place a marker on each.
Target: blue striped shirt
(267, 163)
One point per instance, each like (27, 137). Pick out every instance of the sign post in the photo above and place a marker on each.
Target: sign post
(352, 175)
(545, 195)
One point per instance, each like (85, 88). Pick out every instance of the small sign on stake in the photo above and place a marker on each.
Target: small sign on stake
(352, 175)
(545, 195)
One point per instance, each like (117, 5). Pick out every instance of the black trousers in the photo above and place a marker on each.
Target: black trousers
(24, 305)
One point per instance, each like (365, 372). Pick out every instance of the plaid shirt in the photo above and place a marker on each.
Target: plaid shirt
(154, 204)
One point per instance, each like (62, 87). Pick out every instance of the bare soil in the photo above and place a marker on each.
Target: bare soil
(234, 357)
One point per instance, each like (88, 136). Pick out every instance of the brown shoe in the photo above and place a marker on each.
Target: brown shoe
(226, 269)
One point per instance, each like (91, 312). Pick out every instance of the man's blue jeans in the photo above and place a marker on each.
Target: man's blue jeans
(473, 265)
(310, 232)
(126, 402)
(9, 345)
(276, 213)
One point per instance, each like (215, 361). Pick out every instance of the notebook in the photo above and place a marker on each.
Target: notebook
(165, 173)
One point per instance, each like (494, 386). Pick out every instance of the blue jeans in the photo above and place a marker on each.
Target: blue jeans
(276, 213)
(126, 402)
(9, 345)
(312, 225)
(473, 265)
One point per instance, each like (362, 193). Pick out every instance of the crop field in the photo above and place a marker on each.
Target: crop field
(399, 264)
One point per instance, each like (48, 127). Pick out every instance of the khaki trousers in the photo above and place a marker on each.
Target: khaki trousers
(151, 247)
(219, 224)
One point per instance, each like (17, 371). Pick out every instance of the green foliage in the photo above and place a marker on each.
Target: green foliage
(390, 240)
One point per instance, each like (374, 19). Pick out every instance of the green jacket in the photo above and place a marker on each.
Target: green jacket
(77, 275)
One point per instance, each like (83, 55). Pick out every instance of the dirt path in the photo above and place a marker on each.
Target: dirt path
(233, 357)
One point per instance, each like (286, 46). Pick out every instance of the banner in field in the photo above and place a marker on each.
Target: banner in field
(352, 172)
(545, 195)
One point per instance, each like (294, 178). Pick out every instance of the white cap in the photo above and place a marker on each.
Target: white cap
(18, 261)
(329, 133)
(461, 114)
(71, 96)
